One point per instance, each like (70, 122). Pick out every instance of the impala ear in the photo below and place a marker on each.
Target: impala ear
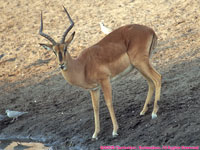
(47, 46)
(69, 40)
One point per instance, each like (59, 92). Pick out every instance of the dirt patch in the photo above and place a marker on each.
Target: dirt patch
(62, 114)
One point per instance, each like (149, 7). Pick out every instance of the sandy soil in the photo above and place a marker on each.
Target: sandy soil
(61, 114)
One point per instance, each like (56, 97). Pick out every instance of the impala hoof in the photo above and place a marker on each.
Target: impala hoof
(114, 134)
(154, 116)
(144, 110)
(94, 139)
(142, 113)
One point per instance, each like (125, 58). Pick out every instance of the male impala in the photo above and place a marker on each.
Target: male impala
(111, 58)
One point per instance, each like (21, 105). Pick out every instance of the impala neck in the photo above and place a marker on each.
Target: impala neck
(74, 74)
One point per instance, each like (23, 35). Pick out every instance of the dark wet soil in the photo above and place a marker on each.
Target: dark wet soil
(59, 112)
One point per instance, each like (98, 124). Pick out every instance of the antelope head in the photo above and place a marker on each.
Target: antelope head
(59, 49)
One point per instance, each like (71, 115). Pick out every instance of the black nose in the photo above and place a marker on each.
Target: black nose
(62, 66)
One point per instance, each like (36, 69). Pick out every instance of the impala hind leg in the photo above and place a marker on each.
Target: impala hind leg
(154, 80)
(95, 103)
(149, 95)
(107, 90)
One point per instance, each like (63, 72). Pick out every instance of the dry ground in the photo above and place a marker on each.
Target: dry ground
(61, 113)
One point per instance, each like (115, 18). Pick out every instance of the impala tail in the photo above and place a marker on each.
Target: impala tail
(153, 43)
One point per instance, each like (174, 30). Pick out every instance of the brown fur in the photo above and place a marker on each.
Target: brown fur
(97, 65)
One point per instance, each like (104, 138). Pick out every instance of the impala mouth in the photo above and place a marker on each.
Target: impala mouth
(63, 67)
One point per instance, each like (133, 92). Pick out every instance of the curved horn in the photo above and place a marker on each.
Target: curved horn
(45, 35)
(69, 28)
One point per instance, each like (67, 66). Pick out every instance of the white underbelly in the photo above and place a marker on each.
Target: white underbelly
(125, 72)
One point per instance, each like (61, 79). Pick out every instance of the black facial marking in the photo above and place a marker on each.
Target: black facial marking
(54, 52)
(60, 56)
(65, 49)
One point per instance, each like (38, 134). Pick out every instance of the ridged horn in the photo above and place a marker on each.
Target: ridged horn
(69, 28)
(45, 35)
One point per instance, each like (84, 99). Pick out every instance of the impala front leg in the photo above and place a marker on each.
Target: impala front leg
(95, 103)
(107, 90)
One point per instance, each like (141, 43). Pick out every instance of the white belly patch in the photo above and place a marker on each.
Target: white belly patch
(125, 72)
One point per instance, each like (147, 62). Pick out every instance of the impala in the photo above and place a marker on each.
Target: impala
(114, 56)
